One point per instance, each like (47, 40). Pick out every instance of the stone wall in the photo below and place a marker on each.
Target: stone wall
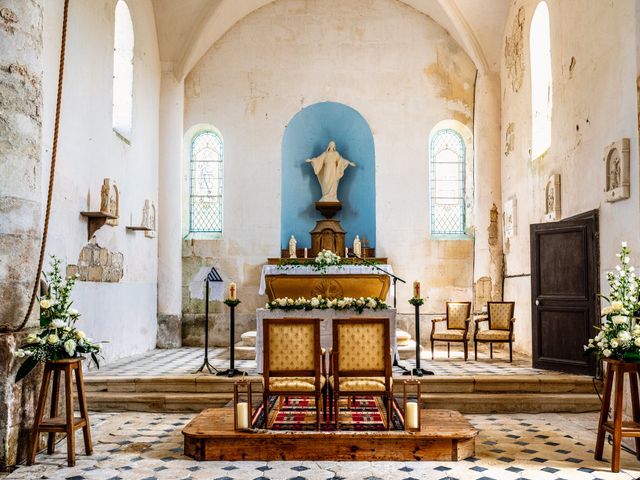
(20, 208)
(593, 57)
(97, 264)
(397, 67)
(118, 303)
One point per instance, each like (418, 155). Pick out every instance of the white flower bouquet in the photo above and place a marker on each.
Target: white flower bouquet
(346, 303)
(619, 334)
(326, 258)
(58, 338)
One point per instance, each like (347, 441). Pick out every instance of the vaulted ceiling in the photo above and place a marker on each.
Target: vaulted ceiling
(188, 28)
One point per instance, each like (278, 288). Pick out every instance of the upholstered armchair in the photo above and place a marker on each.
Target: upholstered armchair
(458, 317)
(360, 362)
(293, 362)
(500, 319)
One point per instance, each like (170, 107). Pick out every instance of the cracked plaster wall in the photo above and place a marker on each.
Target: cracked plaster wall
(399, 69)
(123, 312)
(594, 103)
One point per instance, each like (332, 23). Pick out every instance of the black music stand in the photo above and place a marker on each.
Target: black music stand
(212, 276)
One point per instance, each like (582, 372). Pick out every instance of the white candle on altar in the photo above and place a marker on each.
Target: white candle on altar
(233, 295)
(306, 252)
(242, 411)
(416, 289)
(411, 415)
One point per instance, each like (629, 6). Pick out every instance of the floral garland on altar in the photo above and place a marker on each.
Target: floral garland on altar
(58, 338)
(324, 259)
(619, 335)
(346, 303)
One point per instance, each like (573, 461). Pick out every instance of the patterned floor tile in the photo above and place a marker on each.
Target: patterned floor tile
(186, 360)
(560, 446)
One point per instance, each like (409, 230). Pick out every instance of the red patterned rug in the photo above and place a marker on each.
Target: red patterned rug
(366, 413)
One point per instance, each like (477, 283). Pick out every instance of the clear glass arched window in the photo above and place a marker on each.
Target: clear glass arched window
(123, 70)
(447, 159)
(205, 191)
(541, 81)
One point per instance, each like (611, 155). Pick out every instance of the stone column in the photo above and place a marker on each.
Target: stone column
(20, 208)
(488, 259)
(170, 211)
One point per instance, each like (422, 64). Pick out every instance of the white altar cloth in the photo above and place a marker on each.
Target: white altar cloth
(340, 270)
(326, 326)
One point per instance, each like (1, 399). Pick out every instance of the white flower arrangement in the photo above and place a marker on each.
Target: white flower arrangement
(619, 334)
(324, 259)
(319, 302)
(58, 338)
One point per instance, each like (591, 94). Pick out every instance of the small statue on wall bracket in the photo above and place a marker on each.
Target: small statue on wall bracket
(110, 201)
(151, 220)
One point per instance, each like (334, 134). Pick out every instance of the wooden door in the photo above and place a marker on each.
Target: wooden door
(564, 282)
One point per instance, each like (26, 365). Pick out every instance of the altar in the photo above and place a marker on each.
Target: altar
(326, 326)
(346, 280)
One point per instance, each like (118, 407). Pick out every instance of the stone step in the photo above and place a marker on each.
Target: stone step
(432, 384)
(463, 402)
(514, 402)
(469, 394)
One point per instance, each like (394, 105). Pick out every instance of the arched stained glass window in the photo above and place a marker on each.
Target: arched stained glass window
(447, 158)
(123, 42)
(205, 195)
(541, 81)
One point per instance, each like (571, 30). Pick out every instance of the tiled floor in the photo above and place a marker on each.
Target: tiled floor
(188, 360)
(509, 447)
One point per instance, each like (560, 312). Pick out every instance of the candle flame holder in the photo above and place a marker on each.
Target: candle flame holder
(411, 424)
(242, 395)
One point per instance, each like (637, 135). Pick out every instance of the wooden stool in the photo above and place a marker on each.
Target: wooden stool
(615, 373)
(67, 424)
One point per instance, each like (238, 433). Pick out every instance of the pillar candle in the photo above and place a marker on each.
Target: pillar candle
(416, 289)
(242, 411)
(233, 291)
(306, 252)
(410, 415)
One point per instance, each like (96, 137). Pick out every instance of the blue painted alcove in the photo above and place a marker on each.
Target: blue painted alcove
(307, 136)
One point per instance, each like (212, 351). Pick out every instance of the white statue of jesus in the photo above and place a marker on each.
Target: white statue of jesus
(329, 167)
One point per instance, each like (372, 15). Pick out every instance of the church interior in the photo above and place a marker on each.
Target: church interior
(319, 239)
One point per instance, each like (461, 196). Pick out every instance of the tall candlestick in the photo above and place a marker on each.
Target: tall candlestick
(233, 295)
(416, 289)
(306, 253)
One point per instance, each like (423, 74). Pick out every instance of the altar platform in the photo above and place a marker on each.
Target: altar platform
(445, 436)
(163, 381)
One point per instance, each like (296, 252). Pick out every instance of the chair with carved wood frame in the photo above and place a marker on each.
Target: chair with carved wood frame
(293, 361)
(458, 318)
(500, 318)
(360, 362)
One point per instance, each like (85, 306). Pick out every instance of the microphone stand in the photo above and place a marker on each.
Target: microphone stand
(393, 277)
(395, 291)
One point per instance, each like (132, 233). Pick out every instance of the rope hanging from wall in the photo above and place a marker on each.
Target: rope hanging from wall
(54, 153)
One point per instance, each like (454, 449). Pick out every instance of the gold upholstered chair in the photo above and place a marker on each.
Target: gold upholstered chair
(458, 317)
(500, 318)
(293, 363)
(360, 362)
